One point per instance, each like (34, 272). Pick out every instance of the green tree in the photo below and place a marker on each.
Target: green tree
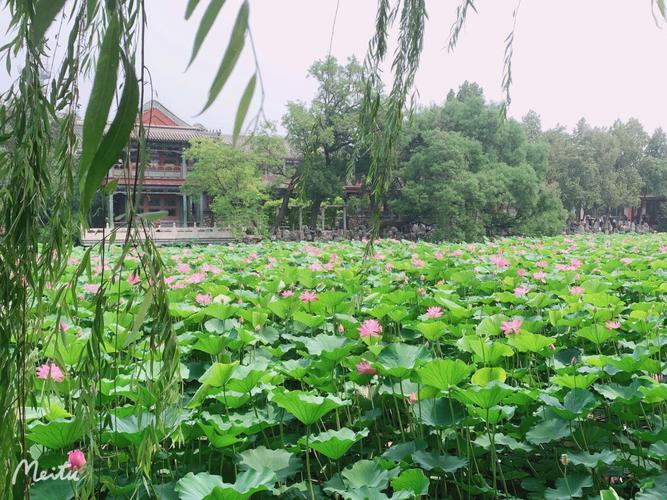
(229, 176)
(471, 175)
(325, 132)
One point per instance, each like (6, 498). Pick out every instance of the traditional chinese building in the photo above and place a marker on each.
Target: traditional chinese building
(167, 136)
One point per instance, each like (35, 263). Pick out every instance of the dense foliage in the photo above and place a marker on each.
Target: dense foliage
(523, 368)
(471, 174)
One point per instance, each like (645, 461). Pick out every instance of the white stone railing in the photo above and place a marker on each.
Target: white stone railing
(162, 235)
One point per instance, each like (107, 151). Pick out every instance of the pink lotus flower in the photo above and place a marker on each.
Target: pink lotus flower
(183, 268)
(316, 266)
(434, 312)
(365, 368)
(541, 264)
(308, 296)
(169, 279)
(521, 272)
(287, 293)
(457, 253)
(576, 290)
(63, 326)
(438, 255)
(612, 325)
(196, 278)
(203, 299)
(177, 286)
(626, 260)
(499, 260)
(511, 326)
(416, 262)
(539, 275)
(412, 398)
(575, 263)
(50, 371)
(520, 291)
(312, 250)
(388, 266)
(76, 460)
(133, 279)
(91, 287)
(552, 347)
(370, 328)
(663, 248)
(329, 266)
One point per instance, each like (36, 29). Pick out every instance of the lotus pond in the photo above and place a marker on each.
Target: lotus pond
(519, 368)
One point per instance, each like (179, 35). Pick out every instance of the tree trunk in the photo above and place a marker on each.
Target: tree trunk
(314, 212)
(282, 211)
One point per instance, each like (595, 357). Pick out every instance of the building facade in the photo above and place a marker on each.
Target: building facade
(167, 137)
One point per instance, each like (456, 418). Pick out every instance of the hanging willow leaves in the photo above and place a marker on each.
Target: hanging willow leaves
(115, 139)
(192, 5)
(45, 12)
(507, 66)
(383, 137)
(205, 25)
(104, 87)
(461, 15)
(242, 110)
(236, 43)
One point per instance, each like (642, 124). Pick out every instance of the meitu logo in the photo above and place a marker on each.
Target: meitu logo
(64, 472)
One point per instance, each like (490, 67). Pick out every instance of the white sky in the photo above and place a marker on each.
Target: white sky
(600, 59)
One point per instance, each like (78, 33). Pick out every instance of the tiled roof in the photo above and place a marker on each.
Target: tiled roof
(162, 133)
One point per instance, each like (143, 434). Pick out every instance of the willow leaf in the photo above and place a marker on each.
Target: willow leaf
(116, 138)
(236, 43)
(242, 110)
(104, 87)
(45, 12)
(205, 25)
(192, 5)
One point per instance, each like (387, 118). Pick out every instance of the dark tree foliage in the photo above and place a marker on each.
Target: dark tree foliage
(471, 174)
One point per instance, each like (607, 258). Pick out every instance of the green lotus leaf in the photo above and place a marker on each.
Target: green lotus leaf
(306, 407)
(332, 347)
(439, 412)
(412, 480)
(310, 320)
(52, 489)
(597, 334)
(529, 342)
(220, 311)
(548, 430)
(484, 376)
(432, 330)
(485, 397)
(486, 352)
(368, 473)
(656, 393)
(334, 444)
(446, 463)
(244, 377)
(658, 450)
(443, 374)
(494, 414)
(295, 368)
(575, 381)
(398, 359)
(624, 393)
(570, 486)
(398, 451)
(283, 463)
(56, 434)
(218, 374)
(592, 460)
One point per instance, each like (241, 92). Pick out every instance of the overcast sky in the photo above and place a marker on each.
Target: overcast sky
(600, 59)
